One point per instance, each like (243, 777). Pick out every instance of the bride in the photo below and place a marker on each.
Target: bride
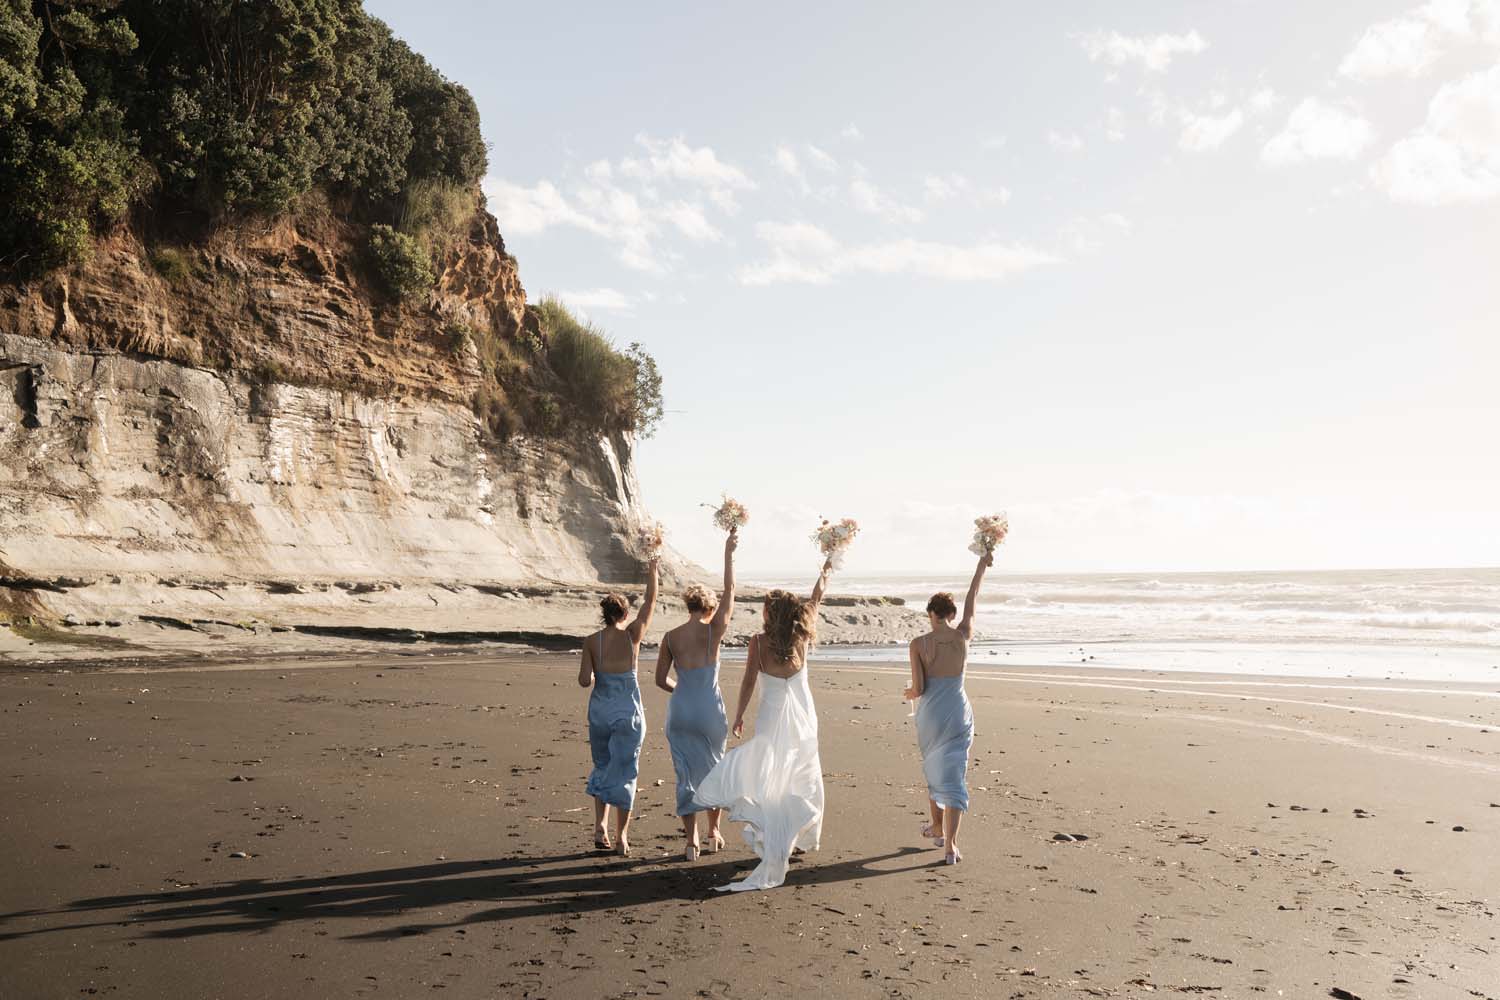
(774, 782)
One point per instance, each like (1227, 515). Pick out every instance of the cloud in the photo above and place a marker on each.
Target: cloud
(1087, 236)
(1319, 130)
(1201, 133)
(1114, 125)
(851, 131)
(946, 187)
(802, 252)
(1068, 142)
(1410, 43)
(691, 222)
(1263, 101)
(605, 299)
(674, 159)
(867, 197)
(1154, 53)
(1454, 156)
(820, 159)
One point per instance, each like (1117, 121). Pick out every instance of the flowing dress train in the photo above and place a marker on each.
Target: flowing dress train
(773, 783)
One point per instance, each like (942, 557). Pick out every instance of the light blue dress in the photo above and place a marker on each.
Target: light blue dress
(945, 732)
(617, 728)
(696, 730)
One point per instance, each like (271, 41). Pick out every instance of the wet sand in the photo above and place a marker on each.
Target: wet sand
(394, 825)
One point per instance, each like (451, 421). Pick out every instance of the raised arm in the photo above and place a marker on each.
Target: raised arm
(664, 665)
(966, 625)
(586, 665)
(747, 685)
(725, 612)
(648, 606)
(918, 675)
(822, 584)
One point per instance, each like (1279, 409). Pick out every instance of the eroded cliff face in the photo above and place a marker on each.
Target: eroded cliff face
(263, 426)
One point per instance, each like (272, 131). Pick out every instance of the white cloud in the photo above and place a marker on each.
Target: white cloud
(1201, 133)
(786, 162)
(1087, 236)
(1068, 142)
(946, 187)
(1154, 53)
(1409, 44)
(1114, 125)
(1319, 130)
(674, 160)
(604, 299)
(1455, 156)
(867, 197)
(802, 252)
(820, 159)
(1263, 101)
(851, 131)
(691, 222)
(992, 142)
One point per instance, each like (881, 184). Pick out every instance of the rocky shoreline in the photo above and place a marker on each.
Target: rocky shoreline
(185, 621)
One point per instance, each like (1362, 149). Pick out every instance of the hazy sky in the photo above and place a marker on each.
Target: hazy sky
(1180, 286)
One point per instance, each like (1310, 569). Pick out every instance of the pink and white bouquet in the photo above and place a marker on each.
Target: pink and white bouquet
(834, 538)
(651, 538)
(989, 531)
(730, 515)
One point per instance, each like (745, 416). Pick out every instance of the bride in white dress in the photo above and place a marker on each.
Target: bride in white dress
(773, 783)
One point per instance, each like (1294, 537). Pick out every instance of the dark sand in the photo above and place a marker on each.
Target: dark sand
(419, 823)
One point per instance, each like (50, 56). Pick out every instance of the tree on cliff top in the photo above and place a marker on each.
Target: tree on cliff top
(214, 106)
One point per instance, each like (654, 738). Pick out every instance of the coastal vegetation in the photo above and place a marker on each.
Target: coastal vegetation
(177, 119)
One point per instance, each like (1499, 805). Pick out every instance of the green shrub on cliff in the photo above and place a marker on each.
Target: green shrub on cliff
(214, 107)
(403, 264)
(608, 389)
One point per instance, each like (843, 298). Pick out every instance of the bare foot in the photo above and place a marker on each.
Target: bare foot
(691, 851)
(601, 839)
(624, 845)
(715, 842)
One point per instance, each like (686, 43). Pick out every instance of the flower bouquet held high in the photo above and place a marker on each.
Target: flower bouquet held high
(651, 538)
(989, 531)
(730, 515)
(834, 537)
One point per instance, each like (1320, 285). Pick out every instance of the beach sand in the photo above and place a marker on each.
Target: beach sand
(404, 824)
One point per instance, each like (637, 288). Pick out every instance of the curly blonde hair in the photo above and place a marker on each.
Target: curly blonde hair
(788, 619)
(699, 599)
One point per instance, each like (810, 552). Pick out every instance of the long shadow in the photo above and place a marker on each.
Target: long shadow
(522, 887)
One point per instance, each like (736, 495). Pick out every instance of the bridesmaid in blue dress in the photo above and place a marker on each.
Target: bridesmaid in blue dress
(617, 720)
(945, 722)
(696, 724)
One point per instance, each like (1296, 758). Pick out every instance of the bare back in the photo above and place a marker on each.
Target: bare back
(612, 651)
(768, 663)
(943, 653)
(692, 645)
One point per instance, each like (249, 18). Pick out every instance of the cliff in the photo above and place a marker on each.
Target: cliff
(254, 423)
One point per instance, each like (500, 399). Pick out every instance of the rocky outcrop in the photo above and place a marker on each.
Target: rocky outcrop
(261, 428)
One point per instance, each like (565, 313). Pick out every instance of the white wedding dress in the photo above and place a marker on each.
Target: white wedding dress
(773, 783)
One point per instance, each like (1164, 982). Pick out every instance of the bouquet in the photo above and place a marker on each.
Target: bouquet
(730, 515)
(833, 538)
(651, 538)
(989, 532)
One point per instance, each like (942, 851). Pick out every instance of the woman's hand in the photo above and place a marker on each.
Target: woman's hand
(732, 542)
(988, 559)
(910, 694)
(739, 728)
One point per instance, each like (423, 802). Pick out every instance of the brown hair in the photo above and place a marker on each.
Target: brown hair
(942, 605)
(699, 599)
(788, 619)
(613, 608)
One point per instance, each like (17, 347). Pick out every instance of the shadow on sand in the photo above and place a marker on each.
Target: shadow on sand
(519, 887)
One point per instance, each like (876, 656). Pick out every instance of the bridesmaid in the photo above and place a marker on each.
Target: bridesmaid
(617, 721)
(945, 722)
(696, 725)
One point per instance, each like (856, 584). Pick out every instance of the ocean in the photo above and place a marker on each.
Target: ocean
(1426, 624)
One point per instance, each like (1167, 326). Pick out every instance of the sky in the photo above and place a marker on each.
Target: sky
(1179, 286)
